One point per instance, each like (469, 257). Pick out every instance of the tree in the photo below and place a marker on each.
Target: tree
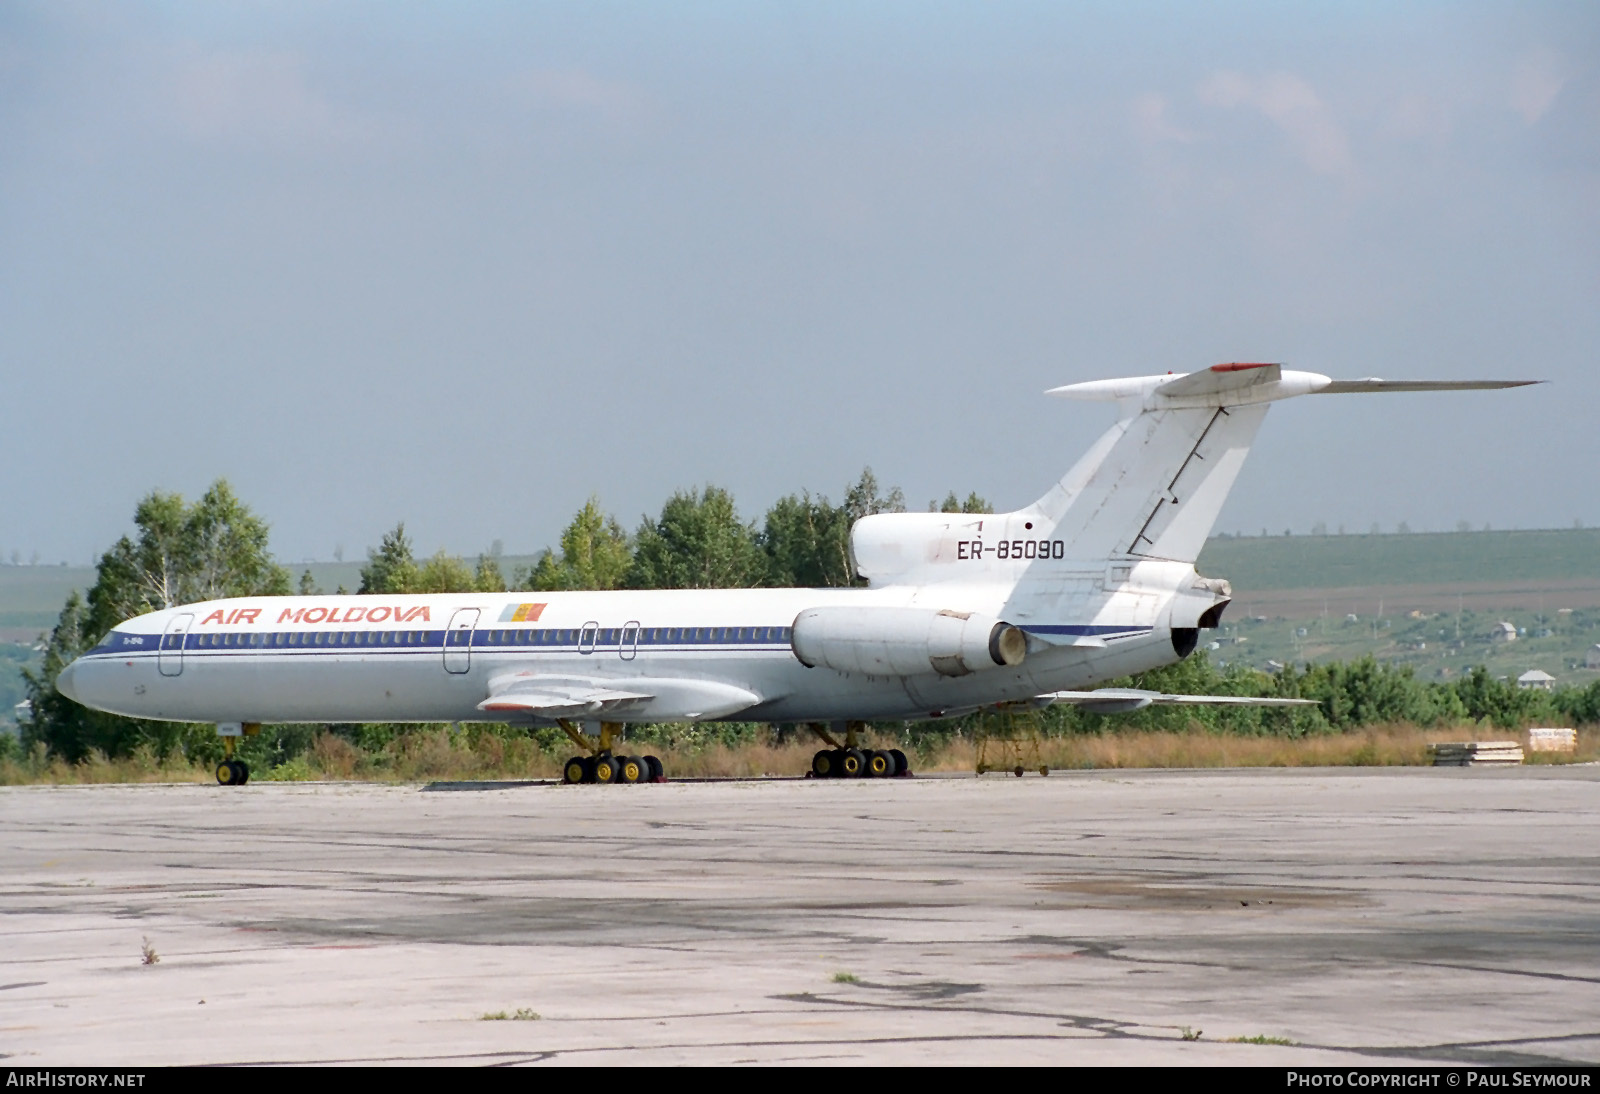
(807, 543)
(212, 549)
(807, 539)
(863, 499)
(487, 578)
(697, 543)
(391, 568)
(595, 554)
(444, 573)
(64, 727)
(952, 504)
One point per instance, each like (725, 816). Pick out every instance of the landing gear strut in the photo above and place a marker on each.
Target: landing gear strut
(600, 766)
(232, 772)
(850, 761)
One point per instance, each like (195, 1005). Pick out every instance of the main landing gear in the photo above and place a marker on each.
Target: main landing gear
(600, 766)
(232, 772)
(850, 761)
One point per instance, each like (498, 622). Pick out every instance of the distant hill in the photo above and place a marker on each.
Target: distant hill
(1438, 558)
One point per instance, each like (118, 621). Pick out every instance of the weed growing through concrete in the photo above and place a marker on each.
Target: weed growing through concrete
(1259, 1039)
(846, 978)
(521, 1014)
(1191, 1034)
(148, 955)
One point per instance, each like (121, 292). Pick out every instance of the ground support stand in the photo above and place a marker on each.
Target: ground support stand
(1008, 739)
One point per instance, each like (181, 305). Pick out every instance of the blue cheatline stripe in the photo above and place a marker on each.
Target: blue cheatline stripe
(121, 644)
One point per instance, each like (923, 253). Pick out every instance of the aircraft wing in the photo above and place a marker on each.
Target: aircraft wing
(1127, 700)
(657, 699)
(561, 697)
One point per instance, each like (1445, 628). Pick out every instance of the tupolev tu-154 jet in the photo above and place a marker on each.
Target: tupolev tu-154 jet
(1093, 581)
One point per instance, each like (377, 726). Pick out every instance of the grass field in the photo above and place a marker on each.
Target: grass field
(439, 755)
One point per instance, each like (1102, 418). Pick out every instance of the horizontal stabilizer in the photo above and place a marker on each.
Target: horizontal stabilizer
(1221, 378)
(1127, 700)
(1354, 387)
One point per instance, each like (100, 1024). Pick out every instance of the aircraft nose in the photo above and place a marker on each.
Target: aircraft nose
(64, 682)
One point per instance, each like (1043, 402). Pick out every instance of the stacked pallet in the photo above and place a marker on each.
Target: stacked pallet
(1477, 754)
(1552, 740)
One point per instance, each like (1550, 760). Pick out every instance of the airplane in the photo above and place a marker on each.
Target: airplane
(961, 612)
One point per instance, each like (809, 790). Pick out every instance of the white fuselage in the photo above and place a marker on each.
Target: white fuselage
(437, 658)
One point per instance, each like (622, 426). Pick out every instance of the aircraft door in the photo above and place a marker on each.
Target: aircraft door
(458, 640)
(170, 658)
(588, 637)
(628, 647)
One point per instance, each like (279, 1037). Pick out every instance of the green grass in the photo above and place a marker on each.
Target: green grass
(1259, 1039)
(521, 1014)
(846, 978)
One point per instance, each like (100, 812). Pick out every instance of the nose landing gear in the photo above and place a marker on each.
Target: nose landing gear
(850, 761)
(232, 772)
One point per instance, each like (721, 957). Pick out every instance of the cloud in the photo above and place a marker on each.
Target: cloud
(1293, 106)
(574, 89)
(255, 95)
(1536, 79)
(1152, 122)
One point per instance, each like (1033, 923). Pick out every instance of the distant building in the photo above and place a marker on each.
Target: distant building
(1536, 679)
(1591, 660)
(1502, 632)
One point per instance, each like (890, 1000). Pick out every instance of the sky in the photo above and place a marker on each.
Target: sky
(467, 264)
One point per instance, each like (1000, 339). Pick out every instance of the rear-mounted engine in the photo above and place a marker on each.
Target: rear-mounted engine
(905, 641)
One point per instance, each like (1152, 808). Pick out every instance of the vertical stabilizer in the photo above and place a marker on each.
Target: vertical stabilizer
(1154, 484)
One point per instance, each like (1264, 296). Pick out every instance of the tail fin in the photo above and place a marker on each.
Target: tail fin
(1151, 487)
(1154, 485)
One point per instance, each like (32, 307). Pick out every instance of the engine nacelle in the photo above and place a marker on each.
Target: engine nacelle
(905, 641)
